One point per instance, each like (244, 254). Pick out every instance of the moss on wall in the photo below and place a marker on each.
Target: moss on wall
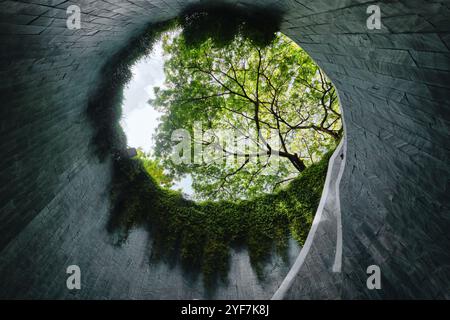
(200, 235)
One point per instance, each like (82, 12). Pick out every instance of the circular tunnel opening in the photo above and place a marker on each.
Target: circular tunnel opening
(245, 116)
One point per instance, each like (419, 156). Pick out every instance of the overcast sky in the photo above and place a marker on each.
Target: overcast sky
(140, 119)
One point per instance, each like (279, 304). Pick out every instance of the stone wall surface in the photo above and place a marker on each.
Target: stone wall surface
(394, 86)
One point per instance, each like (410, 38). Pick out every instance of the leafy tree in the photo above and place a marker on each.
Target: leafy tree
(155, 169)
(282, 108)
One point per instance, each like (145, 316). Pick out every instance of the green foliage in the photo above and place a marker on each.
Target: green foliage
(223, 23)
(199, 235)
(155, 169)
(246, 90)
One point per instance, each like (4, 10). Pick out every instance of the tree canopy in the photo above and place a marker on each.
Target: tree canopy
(257, 115)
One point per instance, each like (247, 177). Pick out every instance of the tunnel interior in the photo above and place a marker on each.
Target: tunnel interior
(393, 85)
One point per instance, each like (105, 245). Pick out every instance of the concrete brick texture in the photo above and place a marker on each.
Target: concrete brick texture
(394, 88)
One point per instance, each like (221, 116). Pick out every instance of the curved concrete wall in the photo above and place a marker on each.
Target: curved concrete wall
(394, 86)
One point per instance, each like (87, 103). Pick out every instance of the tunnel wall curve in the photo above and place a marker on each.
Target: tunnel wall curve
(393, 84)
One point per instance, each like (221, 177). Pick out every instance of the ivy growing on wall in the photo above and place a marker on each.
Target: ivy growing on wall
(200, 235)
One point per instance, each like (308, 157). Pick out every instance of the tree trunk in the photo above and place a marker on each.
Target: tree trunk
(297, 162)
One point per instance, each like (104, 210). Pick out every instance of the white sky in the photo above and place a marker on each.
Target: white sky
(140, 119)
